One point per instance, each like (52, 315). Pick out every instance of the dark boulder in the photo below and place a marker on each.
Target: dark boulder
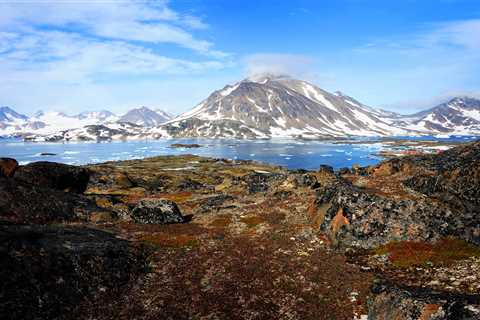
(8, 166)
(21, 202)
(54, 175)
(326, 168)
(52, 272)
(157, 211)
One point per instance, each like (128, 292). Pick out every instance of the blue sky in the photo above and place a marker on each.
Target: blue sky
(402, 55)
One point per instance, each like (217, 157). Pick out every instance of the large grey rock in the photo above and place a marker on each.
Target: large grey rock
(157, 211)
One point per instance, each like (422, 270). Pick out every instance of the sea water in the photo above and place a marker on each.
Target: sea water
(293, 154)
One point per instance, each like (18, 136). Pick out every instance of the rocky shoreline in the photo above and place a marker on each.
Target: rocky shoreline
(186, 237)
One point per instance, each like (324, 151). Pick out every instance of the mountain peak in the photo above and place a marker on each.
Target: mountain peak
(276, 105)
(266, 77)
(144, 116)
(10, 115)
(6, 109)
(463, 100)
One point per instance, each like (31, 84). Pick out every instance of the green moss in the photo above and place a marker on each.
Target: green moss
(252, 221)
(167, 240)
(221, 222)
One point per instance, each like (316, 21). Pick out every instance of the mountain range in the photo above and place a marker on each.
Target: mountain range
(265, 106)
(55, 125)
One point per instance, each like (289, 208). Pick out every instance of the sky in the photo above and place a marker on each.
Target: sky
(72, 56)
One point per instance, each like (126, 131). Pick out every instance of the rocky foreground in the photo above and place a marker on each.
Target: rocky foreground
(185, 237)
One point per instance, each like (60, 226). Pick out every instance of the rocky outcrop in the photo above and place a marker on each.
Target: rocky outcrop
(54, 175)
(8, 167)
(373, 220)
(403, 303)
(413, 198)
(62, 272)
(452, 177)
(157, 211)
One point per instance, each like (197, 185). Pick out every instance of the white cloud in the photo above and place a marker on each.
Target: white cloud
(194, 22)
(60, 56)
(464, 34)
(276, 63)
(144, 21)
(75, 45)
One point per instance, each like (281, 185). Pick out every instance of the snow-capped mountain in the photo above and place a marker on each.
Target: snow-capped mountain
(271, 106)
(11, 116)
(53, 123)
(145, 117)
(460, 115)
(11, 121)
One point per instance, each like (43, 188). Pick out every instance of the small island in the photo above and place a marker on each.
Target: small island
(186, 145)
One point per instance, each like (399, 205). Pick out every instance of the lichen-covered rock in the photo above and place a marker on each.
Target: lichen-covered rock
(54, 175)
(215, 202)
(261, 182)
(157, 211)
(53, 272)
(8, 166)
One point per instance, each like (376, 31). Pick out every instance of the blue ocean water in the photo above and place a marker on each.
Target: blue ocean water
(293, 154)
